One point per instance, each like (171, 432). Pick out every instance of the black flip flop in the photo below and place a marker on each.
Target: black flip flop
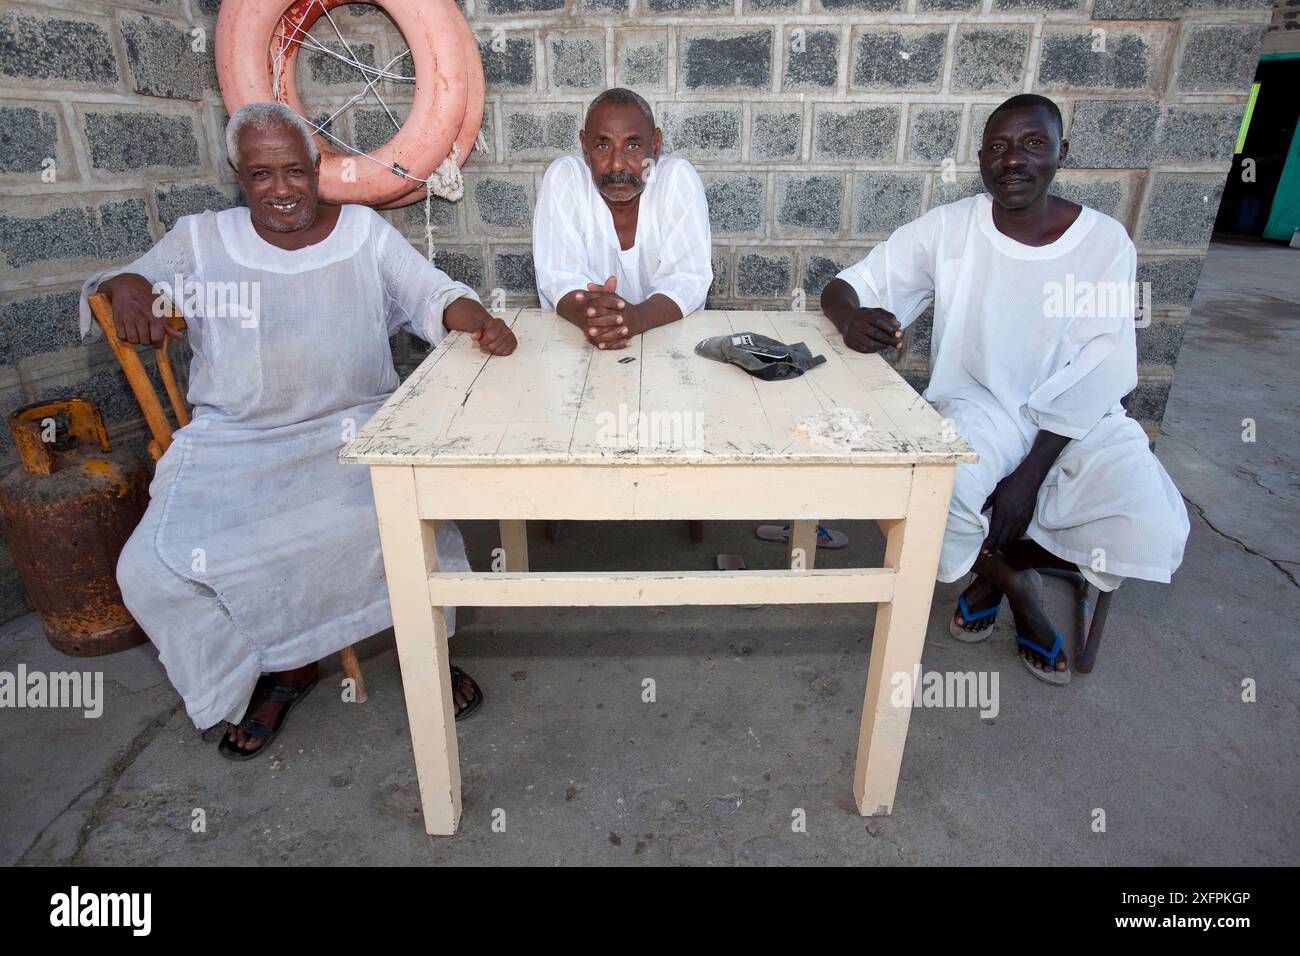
(475, 702)
(285, 694)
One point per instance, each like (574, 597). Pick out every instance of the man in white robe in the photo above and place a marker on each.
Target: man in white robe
(621, 239)
(1033, 347)
(259, 553)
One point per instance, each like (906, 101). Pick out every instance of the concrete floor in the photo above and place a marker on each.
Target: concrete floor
(757, 711)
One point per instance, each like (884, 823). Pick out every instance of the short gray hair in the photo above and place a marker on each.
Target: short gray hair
(621, 96)
(266, 116)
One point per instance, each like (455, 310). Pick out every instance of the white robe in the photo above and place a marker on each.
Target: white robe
(1018, 347)
(574, 240)
(259, 551)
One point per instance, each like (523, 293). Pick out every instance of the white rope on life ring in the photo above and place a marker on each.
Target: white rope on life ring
(256, 45)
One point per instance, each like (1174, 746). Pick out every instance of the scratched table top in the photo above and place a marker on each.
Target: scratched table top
(557, 400)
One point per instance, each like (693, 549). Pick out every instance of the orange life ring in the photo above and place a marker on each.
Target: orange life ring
(251, 33)
(475, 94)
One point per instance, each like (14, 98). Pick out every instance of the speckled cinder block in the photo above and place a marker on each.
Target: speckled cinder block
(736, 203)
(810, 205)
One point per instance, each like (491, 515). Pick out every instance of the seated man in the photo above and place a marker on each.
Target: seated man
(259, 553)
(621, 242)
(1031, 380)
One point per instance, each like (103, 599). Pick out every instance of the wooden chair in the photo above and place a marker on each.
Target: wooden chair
(160, 427)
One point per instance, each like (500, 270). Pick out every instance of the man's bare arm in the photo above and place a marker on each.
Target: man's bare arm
(864, 330)
(655, 311)
(492, 334)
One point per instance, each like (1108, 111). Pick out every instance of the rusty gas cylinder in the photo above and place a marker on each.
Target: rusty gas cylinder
(67, 511)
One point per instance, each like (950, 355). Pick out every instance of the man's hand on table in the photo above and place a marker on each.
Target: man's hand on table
(872, 330)
(610, 319)
(136, 308)
(864, 330)
(495, 337)
(491, 333)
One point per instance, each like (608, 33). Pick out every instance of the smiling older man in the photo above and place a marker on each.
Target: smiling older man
(1032, 377)
(259, 554)
(621, 240)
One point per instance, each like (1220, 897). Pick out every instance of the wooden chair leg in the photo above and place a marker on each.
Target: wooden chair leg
(1089, 618)
(352, 669)
(696, 531)
(1088, 658)
(1082, 608)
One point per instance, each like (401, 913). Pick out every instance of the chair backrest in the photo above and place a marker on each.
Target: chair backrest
(138, 379)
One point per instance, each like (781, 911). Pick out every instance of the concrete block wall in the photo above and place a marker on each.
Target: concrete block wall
(817, 125)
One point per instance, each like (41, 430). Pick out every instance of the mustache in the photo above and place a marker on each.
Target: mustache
(618, 179)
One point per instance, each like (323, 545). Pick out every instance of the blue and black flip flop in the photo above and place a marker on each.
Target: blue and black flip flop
(1054, 677)
(973, 637)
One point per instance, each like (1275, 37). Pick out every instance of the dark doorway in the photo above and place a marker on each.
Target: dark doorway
(1247, 204)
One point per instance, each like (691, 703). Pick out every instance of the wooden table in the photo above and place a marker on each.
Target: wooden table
(530, 435)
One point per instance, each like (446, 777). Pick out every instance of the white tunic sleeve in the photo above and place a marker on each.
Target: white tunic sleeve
(1095, 362)
(685, 269)
(172, 256)
(415, 290)
(560, 258)
(898, 274)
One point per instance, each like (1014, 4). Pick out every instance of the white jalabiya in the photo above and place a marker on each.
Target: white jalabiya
(259, 551)
(1028, 338)
(574, 240)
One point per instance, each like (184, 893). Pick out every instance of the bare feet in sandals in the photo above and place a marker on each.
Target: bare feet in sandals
(465, 694)
(1012, 571)
(1033, 626)
(267, 712)
(976, 612)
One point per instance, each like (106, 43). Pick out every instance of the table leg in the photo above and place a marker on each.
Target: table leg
(514, 542)
(803, 536)
(912, 551)
(410, 556)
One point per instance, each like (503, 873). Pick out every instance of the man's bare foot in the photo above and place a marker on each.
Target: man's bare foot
(268, 712)
(462, 691)
(980, 596)
(1025, 595)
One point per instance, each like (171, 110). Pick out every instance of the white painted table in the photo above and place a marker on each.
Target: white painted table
(531, 435)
